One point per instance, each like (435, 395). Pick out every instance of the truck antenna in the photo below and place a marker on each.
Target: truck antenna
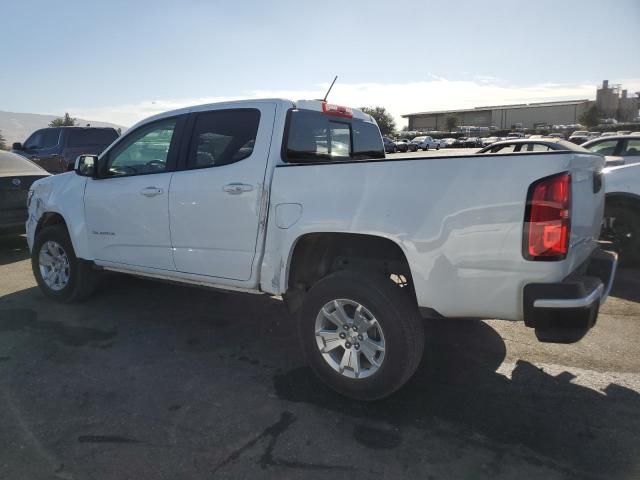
(330, 87)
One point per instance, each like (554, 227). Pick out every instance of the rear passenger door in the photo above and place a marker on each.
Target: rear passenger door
(215, 202)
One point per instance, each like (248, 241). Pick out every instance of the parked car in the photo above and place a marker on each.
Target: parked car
(473, 142)
(561, 136)
(617, 149)
(459, 142)
(447, 142)
(346, 241)
(527, 145)
(515, 135)
(579, 137)
(389, 145)
(16, 176)
(402, 145)
(55, 148)
(621, 223)
(425, 143)
(488, 141)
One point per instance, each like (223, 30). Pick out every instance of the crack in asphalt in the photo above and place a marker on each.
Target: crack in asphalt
(267, 459)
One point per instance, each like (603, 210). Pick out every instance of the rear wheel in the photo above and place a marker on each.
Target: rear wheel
(59, 273)
(361, 334)
(621, 226)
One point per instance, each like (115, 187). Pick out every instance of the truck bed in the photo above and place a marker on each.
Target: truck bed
(458, 220)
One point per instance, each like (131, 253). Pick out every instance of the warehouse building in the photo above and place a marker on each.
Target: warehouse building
(611, 101)
(501, 117)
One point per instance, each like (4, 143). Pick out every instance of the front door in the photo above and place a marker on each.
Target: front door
(127, 208)
(215, 203)
(43, 147)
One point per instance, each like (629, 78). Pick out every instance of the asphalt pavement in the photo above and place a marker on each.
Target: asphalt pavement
(151, 380)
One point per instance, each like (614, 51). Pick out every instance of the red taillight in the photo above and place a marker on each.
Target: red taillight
(547, 222)
(337, 110)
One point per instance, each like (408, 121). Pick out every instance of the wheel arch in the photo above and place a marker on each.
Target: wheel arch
(315, 255)
(623, 198)
(50, 218)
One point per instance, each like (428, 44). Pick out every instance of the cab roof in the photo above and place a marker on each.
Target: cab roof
(315, 105)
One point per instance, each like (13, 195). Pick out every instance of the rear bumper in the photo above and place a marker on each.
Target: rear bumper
(564, 312)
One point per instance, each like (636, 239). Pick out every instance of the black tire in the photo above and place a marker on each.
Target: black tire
(426, 149)
(398, 317)
(82, 278)
(622, 228)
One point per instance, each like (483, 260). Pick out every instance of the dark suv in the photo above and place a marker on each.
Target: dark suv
(55, 149)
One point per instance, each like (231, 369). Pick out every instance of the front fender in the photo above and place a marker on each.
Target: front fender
(61, 195)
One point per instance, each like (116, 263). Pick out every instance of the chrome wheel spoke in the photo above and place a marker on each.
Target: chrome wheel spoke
(370, 350)
(331, 339)
(45, 259)
(361, 321)
(350, 360)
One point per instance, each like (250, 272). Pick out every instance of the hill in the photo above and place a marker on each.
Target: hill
(16, 127)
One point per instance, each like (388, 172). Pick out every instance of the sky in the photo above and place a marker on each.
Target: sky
(121, 61)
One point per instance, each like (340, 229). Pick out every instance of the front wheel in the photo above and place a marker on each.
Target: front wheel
(59, 273)
(361, 334)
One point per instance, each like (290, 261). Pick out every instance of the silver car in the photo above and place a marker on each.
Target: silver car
(617, 149)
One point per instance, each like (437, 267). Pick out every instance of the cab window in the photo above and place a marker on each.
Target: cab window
(45, 138)
(143, 151)
(222, 137)
(632, 148)
(606, 147)
(315, 137)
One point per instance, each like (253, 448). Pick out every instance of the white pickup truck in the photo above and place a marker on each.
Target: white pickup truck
(297, 199)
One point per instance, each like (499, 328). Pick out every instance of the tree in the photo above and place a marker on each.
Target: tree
(3, 142)
(67, 121)
(451, 122)
(385, 120)
(590, 117)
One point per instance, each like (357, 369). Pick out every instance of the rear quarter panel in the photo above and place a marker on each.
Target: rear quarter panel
(459, 221)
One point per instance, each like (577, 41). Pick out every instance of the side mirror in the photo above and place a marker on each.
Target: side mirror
(86, 165)
(17, 146)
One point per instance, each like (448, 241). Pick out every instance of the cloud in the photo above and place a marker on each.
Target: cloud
(399, 98)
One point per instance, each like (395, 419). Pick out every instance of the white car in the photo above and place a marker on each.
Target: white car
(426, 142)
(621, 224)
(296, 199)
(617, 149)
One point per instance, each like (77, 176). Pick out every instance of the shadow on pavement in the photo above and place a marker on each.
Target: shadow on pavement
(456, 396)
(576, 428)
(13, 248)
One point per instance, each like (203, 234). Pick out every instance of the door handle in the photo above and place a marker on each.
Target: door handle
(151, 191)
(237, 188)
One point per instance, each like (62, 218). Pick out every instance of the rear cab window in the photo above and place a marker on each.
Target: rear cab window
(313, 136)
